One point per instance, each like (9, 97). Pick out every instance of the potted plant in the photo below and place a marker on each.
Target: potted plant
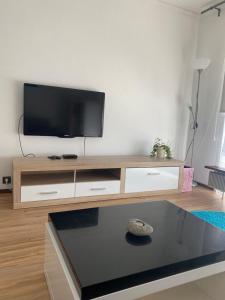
(161, 150)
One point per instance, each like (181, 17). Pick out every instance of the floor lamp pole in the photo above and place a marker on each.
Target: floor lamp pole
(195, 126)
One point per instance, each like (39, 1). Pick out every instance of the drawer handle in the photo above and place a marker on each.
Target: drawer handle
(152, 174)
(97, 189)
(48, 193)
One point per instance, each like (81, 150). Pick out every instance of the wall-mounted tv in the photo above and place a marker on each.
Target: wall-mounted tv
(62, 112)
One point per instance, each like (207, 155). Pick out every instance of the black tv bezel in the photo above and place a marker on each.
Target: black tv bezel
(27, 133)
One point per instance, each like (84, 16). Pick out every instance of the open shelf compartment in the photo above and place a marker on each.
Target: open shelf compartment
(45, 178)
(97, 175)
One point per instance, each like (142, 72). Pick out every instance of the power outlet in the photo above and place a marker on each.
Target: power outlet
(7, 180)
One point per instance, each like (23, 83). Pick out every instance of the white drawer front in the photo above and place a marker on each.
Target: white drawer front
(151, 179)
(97, 188)
(47, 192)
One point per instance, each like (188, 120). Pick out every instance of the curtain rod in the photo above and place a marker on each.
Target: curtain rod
(216, 6)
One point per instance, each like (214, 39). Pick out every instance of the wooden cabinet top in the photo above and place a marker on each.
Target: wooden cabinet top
(94, 162)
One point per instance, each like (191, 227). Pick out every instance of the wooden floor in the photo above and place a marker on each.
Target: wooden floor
(22, 240)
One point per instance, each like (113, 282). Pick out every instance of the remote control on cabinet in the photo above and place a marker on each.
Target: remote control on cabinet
(70, 156)
(54, 157)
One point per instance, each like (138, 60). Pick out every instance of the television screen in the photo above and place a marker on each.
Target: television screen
(62, 112)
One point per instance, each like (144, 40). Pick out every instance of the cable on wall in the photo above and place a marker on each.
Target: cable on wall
(20, 142)
(214, 7)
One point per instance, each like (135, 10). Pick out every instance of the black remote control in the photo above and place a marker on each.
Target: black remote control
(54, 157)
(70, 156)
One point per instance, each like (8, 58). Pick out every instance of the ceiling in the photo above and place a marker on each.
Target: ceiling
(193, 5)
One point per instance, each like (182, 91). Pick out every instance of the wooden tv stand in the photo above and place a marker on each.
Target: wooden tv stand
(43, 182)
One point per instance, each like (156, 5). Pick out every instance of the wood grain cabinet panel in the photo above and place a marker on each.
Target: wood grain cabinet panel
(43, 182)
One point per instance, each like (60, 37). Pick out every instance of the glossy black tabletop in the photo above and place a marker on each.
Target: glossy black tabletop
(105, 258)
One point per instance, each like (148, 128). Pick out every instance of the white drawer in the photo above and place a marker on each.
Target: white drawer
(47, 192)
(97, 188)
(151, 179)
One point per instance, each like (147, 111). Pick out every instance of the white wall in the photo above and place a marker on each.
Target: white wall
(211, 44)
(138, 52)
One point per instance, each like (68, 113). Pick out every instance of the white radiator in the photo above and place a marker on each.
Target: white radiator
(217, 181)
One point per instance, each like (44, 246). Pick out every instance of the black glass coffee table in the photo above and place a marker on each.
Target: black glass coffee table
(90, 255)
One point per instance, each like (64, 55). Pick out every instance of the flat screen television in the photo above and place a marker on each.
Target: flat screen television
(62, 112)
